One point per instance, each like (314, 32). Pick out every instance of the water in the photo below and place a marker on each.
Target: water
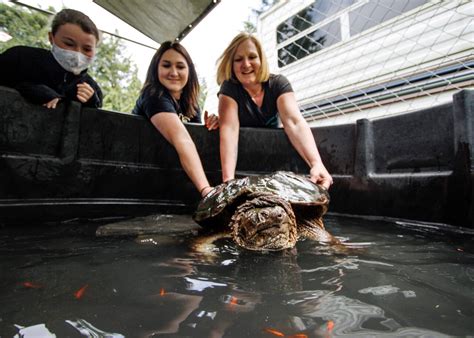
(396, 279)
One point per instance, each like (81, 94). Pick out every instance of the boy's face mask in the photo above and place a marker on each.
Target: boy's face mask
(74, 62)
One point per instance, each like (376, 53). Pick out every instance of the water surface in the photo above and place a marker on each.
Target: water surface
(396, 279)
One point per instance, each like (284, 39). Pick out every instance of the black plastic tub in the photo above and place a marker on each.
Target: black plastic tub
(71, 162)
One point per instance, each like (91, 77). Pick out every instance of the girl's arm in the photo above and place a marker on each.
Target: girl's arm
(173, 130)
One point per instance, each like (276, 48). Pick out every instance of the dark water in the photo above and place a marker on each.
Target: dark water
(399, 280)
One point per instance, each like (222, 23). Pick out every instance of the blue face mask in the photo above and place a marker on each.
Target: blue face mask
(74, 62)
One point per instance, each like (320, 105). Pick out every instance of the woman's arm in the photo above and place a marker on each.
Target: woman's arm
(301, 138)
(229, 135)
(173, 130)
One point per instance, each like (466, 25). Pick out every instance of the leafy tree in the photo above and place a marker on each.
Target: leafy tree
(26, 27)
(116, 74)
(202, 93)
(249, 27)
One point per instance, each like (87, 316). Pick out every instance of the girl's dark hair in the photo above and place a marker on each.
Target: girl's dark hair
(77, 18)
(153, 86)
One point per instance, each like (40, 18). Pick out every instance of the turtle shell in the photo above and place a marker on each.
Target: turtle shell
(218, 206)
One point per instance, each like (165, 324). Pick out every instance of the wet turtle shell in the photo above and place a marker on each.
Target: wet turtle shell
(288, 198)
(294, 188)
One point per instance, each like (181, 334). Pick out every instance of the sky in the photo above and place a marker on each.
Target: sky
(204, 43)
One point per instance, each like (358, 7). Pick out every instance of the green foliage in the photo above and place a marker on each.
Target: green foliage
(202, 93)
(26, 27)
(249, 27)
(115, 73)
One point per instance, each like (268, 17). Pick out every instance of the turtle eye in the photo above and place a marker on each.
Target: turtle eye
(263, 215)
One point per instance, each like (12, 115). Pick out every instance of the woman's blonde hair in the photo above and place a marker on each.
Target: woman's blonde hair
(225, 61)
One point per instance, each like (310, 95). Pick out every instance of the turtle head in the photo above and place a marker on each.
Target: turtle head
(264, 222)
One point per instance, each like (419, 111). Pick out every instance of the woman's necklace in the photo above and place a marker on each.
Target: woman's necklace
(179, 111)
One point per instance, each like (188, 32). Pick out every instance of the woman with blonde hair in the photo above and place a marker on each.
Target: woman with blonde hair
(250, 96)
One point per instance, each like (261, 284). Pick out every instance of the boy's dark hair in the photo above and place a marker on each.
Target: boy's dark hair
(77, 18)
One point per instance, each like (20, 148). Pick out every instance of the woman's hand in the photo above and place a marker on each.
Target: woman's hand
(84, 92)
(320, 175)
(51, 104)
(211, 121)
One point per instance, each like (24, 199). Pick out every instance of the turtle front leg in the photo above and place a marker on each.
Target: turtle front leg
(205, 243)
(314, 229)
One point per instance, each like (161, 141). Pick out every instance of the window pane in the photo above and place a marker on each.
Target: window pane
(378, 11)
(310, 43)
(311, 15)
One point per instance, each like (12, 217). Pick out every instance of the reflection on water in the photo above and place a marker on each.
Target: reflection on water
(88, 330)
(39, 330)
(391, 281)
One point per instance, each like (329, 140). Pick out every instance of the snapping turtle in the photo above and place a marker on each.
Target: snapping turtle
(268, 212)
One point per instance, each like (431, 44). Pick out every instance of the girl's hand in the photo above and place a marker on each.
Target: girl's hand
(211, 121)
(206, 190)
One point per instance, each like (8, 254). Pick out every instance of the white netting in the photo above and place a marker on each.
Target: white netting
(352, 59)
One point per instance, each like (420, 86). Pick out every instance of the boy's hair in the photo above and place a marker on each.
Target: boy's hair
(77, 18)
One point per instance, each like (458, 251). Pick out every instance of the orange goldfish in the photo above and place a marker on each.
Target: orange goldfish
(79, 293)
(32, 285)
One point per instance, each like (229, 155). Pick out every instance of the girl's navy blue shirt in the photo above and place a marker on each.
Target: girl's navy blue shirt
(148, 105)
